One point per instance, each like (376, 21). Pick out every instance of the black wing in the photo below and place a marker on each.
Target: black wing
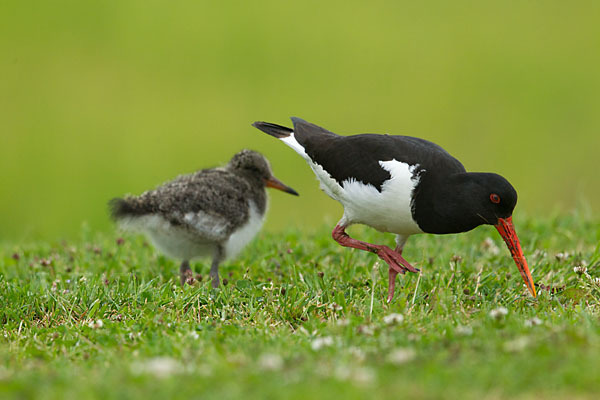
(358, 156)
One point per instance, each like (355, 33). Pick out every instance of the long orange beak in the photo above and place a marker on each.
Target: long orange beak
(275, 183)
(507, 230)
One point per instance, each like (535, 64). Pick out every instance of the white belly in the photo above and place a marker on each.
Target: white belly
(386, 211)
(186, 244)
(243, 235)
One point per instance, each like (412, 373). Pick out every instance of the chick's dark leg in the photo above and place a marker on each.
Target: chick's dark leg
(185, 272)
(214, 268)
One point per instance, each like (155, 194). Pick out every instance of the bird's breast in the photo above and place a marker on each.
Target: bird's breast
(245, 232)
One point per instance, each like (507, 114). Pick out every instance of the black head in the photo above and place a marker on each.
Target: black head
(492, 199)
(255, 167)
(489, 196)
(460, 202)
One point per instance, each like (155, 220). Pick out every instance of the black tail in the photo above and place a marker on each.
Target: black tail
(120, 208)
(274, 130)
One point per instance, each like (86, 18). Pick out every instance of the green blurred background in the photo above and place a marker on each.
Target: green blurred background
(102, 98)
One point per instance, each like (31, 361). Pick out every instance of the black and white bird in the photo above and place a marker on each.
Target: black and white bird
(402, 185)
(212, 212)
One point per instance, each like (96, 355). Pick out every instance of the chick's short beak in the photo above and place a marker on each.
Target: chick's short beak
(275, 183)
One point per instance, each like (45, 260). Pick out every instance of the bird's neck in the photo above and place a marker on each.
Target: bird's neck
(442, 204)
(256, 190)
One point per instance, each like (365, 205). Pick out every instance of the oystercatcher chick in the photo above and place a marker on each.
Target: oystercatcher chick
(212, 212)
(402, 185)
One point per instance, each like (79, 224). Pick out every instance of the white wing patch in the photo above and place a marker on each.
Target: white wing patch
(386, 211)
(207, 226)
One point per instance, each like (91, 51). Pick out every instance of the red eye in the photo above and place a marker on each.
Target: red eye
(494, 198)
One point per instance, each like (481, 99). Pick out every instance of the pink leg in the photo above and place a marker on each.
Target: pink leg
(392, 274)
(393, 258)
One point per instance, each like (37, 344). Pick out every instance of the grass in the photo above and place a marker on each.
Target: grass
(104, 317)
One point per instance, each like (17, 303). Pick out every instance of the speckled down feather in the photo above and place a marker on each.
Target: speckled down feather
(221, 193)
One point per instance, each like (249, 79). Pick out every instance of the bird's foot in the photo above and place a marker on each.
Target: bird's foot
(397, 264)
(185, 273)
(400, 260)
(190, 279)
(394, 259)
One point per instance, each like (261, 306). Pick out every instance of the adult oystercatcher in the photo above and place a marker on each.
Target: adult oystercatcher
(212, 212)
(402, 185)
